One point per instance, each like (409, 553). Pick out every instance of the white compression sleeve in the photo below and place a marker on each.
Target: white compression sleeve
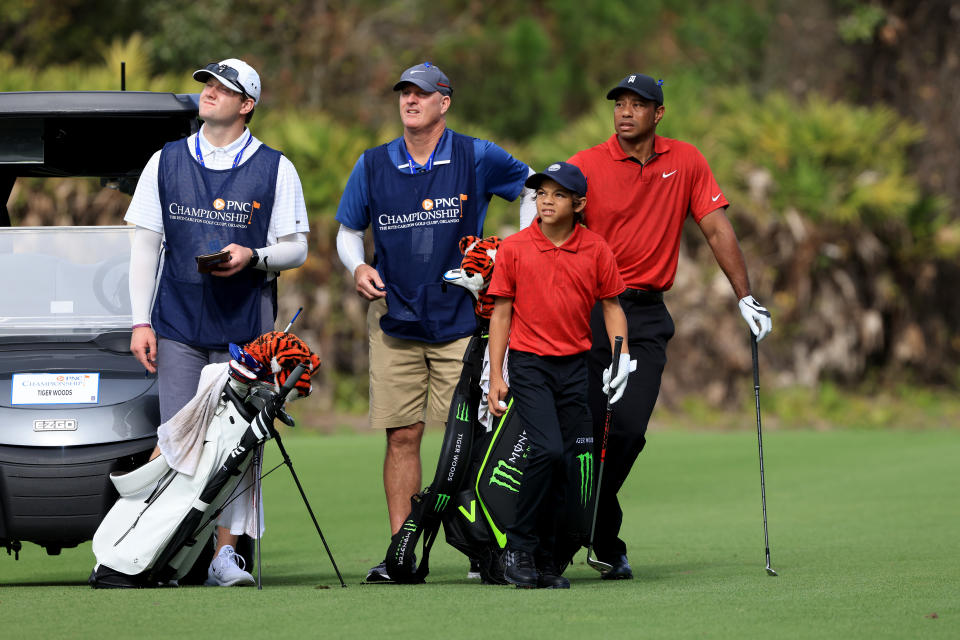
(528, 205)
(289, 253)
(144, 257)
(350, 248)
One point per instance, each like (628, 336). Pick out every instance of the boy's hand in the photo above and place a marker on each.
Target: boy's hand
(495, 398)
(614, 388)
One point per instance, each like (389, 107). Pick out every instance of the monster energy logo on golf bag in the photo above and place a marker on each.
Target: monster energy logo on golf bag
(428, 506)
(586, 477)
(502, 476)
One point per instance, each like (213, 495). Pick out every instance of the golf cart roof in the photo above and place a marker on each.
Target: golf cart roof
(89, 133)
(94, 104)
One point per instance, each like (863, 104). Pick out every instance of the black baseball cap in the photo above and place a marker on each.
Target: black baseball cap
(644, 86)
(428, 77)
(565, 174)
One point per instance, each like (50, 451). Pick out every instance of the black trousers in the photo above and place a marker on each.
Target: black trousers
(550, 393)
(649, 328)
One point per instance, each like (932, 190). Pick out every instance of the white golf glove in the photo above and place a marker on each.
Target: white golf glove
(756, 316)
(618, 384)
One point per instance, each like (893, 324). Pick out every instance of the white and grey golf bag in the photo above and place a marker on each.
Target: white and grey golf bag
(162, 520)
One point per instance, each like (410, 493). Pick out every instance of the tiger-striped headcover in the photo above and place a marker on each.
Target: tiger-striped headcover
(282, 352)
(478, 257)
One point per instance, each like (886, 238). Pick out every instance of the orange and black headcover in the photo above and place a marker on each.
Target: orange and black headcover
(279, 353)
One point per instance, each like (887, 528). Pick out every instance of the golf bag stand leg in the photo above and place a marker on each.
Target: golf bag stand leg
(257, 497)
(286, 461)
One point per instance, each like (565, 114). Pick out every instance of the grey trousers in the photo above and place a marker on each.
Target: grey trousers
(179, 364)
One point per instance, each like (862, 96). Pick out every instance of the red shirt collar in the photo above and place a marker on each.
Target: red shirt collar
(543, 243)
(660, 145)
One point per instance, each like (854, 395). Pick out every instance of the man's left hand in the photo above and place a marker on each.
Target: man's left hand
(756, 317)
(239, 259)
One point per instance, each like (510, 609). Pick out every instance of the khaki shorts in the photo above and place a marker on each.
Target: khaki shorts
(401, 371)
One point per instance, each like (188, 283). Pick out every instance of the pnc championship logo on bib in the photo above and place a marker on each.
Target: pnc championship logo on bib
(442, 209)
(219, 204)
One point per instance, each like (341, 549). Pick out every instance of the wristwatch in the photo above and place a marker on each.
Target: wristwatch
(254, 258)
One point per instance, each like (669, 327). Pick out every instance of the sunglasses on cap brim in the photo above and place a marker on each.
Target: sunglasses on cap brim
(227, 73)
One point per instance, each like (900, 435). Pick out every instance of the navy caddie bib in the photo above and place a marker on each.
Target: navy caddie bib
(204, 210)
(418, 220)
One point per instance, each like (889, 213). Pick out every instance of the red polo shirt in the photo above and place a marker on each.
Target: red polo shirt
(553, 288)
(639, 210)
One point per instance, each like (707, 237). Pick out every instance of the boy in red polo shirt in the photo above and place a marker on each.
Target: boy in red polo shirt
(547, 279)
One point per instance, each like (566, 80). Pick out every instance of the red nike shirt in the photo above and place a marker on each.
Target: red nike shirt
(639, 209)
(553, 288)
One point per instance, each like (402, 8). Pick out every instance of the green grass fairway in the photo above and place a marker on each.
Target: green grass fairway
(863, 530)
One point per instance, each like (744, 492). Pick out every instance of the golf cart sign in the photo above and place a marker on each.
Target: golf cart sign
(55, 388)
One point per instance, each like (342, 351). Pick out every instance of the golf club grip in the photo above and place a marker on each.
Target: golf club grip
(756, 360)
(617, 348)
(289, 385)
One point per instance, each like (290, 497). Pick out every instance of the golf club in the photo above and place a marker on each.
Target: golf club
(599, 565)
(763, 490)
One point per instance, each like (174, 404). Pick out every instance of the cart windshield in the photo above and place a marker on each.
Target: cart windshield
(64, 280)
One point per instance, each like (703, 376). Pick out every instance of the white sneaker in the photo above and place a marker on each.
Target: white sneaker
(379, 573)
(474, 572)
(226, 570)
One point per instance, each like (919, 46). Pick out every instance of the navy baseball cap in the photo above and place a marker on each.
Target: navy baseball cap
(428, 77)
(644, 86)
(565, 174)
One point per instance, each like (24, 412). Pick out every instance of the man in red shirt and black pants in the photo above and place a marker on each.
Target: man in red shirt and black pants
(642, 187)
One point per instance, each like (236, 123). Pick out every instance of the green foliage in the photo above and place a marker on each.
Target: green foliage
(723, 39)
(518, 72)
(103, 75)
(832, 161)
(324, 151)
(188, 34)
(40, 33)
(861, 23)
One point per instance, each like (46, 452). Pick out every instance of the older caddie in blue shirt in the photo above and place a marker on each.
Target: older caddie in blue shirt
(419, 194)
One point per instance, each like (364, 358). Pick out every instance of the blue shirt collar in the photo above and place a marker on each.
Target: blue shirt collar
(441, 157)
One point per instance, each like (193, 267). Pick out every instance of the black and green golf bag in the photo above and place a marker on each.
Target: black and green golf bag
(475, 487)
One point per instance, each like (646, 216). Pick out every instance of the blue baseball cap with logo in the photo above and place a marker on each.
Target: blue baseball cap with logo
(565, 174)
(428, 77)
(644, 86)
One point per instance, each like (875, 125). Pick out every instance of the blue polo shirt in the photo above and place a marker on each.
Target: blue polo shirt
(498, 174)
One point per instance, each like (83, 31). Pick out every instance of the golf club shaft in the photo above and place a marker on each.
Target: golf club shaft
(763, 489)
(617, 347)
(292, 320)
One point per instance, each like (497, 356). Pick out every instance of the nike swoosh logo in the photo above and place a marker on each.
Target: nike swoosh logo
(418, 71)
(667, 175)
(716, 197)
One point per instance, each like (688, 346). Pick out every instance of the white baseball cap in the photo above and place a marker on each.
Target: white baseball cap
(234, 74)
